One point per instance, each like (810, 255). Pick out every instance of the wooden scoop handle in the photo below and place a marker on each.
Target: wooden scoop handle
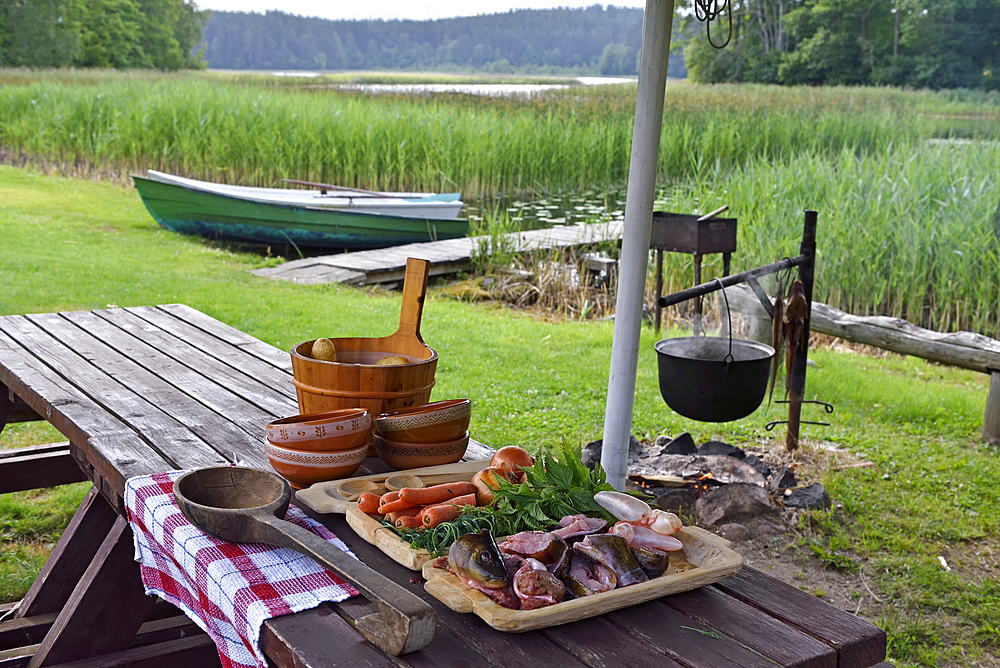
(414, 290)
(404, 623)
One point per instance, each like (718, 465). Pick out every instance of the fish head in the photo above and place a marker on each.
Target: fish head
(476, 556)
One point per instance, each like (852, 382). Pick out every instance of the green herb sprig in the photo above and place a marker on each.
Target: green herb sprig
(472, 520)
(559, 484)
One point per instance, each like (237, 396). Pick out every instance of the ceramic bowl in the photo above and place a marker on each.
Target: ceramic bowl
(339, 430)
(435, 422)
(403, 455)
(302, 468)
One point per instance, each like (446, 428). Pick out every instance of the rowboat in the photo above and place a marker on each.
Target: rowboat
(321, 216)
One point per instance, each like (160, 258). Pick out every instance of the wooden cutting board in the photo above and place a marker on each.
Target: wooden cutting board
(710, 555)
(324, 498)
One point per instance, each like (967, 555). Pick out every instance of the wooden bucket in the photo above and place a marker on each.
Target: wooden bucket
(354, 380)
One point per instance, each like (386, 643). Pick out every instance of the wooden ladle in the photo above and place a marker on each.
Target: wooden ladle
(246, 505)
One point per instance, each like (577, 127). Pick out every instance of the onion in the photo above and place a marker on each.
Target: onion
(510, 459)
(485, 482)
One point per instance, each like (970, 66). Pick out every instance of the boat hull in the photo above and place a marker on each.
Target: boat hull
(188, 211)
(405, 205)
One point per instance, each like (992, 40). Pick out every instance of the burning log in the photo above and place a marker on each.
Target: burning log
(692, 470)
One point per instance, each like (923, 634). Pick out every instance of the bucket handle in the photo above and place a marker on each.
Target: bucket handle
(729, 318)
(414, 290)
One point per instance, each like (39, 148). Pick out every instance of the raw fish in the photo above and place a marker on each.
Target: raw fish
(476, 558)
(614, 553)
(536, 587)
(623, 506)
(639, 536)
(546, 547)
(573, 526)
(654, 562)
(588, 577)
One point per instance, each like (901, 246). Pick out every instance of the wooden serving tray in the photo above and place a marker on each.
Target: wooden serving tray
(323, 498)
(710, 555)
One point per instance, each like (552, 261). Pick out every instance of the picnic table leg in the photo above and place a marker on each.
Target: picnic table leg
(12, 409)
(106, 608)
(69, 559)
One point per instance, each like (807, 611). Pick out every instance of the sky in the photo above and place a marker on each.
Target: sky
(419, 10)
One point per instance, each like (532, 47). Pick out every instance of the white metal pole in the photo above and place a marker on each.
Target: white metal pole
(656, 28)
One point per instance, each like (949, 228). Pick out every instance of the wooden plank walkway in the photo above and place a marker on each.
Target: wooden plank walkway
(387, 265)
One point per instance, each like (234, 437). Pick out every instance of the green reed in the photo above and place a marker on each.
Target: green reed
(906, 229)
(257, 132)
(912, 234)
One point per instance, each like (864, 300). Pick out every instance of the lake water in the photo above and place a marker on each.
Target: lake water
(532, 213)
(527, 212)
(485, 90)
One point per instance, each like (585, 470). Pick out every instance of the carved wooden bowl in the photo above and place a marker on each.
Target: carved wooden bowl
(435, 422)
(303, 468)
(339, 430)
(403, 455)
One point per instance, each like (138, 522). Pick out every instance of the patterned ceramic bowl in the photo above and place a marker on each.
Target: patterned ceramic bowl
(435, 422)
(339, 430)
(402, 455)
(302, 469)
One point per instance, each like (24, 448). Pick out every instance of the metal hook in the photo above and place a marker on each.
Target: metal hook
(771, 425)
(827, 407)
(729, 318)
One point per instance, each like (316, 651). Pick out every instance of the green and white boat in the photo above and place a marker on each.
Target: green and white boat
(323, 216)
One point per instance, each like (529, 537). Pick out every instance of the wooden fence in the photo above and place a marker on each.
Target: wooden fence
(967, 350)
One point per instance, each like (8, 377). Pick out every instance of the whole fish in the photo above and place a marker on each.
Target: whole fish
(476, 558)
(796, 312)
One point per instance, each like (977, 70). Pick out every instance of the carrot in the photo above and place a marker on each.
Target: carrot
(463, 500)
(408, 512)
(408, 523)
(442, 512)
(393, 506)
(387, 497)
(436, 493)
(368, 503)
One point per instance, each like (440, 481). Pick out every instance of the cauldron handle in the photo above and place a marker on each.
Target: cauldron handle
(729, 318)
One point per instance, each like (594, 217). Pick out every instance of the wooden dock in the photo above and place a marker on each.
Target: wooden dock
(387, 265)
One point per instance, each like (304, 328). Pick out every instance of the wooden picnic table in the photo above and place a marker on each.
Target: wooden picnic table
(150, 389)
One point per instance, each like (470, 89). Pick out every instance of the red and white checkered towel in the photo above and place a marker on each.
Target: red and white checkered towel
(228, 589)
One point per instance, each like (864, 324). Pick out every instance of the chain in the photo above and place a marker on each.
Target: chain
(710, 10)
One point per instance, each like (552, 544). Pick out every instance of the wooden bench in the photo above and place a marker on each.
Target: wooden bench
(149, 389)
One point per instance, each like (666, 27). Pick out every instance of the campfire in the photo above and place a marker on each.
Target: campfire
(656, 484)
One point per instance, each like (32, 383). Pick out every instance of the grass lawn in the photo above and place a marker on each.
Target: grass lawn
(932, 492)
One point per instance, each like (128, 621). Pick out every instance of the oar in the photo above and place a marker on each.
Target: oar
(244, 505)
(361, 193)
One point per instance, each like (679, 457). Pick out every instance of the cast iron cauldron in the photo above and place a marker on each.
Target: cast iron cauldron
(699, 379)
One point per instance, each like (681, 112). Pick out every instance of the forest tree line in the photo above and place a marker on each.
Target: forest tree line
(588, 40)
(124, 34)
(916, 43)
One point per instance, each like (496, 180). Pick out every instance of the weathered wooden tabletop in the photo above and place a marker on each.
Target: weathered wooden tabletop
(149, 389)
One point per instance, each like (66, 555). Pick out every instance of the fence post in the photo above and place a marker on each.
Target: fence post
(991, 421)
